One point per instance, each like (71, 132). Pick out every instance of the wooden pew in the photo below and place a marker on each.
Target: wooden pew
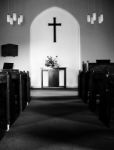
(28, 87)
(4, 102)
(103, 91)
(83, 82)
(24, 89)
(97, 89)
(83, 85)
(14, 96)
(99, 94)
(111, 93)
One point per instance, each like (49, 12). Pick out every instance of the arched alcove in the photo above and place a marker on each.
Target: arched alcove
(67, 46)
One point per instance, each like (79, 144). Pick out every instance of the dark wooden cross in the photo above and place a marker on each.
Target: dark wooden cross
(54, 24)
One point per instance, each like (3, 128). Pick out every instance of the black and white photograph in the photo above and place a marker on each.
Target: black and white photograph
(56, 75)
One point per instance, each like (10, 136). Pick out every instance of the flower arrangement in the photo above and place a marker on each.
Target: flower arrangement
(51, 62)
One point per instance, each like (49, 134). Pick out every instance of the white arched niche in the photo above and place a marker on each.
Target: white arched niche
(67, 46)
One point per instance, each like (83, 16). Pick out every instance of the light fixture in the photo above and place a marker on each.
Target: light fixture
(20, 19)
(14, 18)
(88, 18)
(101, 18)
(94, 16)
(92, 20)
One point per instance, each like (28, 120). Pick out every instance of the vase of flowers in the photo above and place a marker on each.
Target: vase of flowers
(51, 62)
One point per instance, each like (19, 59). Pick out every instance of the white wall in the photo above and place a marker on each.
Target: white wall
(67, 47)
(97, 41)
(20, 61)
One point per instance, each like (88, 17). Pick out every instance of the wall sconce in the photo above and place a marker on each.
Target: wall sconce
(88, 18)
(11, 19)
(20, 19)
(95, 18)
(95, 9)
(92, 20)
(100, 18)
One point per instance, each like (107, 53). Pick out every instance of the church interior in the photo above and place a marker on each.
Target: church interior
(56, 75)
